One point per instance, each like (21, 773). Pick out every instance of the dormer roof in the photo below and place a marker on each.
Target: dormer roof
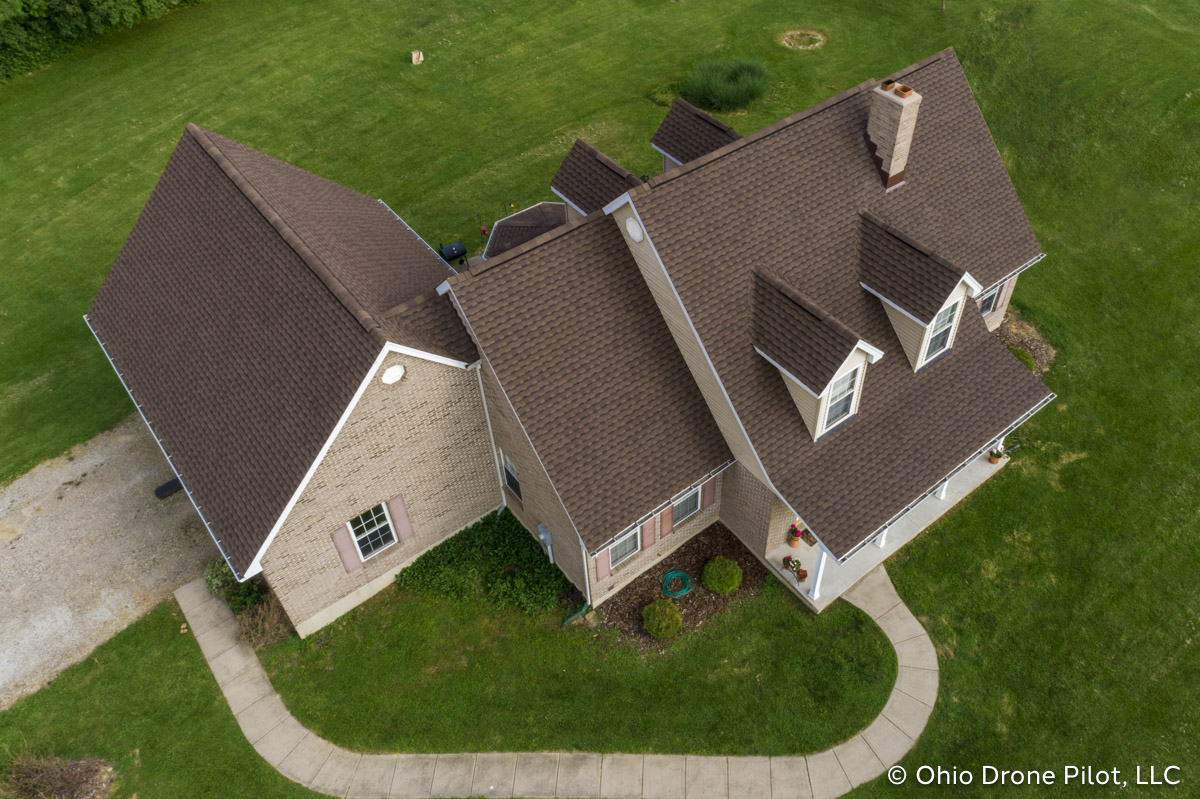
(797, 335)
(904, 271)
(588, 179)
(688, 133)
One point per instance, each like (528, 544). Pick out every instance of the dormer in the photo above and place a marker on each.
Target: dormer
(822, 362)
(687, 133)
(588, 179)
(923, 293)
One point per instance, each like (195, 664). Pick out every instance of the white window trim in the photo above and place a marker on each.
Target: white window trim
(926, 356)
(505, 460)
(858, 371)
(636, 532)
(993, 295)
(387, 514)
(675, 503)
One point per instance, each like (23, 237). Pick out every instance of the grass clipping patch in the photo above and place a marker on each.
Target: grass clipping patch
(725, 85)
(35, 777)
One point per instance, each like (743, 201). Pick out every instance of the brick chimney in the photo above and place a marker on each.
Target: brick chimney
(890, 128)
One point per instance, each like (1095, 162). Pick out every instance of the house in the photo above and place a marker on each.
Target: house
(790, 327)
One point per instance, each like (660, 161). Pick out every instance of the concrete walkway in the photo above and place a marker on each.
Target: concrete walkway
(303, 757)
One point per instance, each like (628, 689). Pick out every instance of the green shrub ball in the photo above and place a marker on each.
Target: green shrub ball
(722, 575)
(725, 85)
(662, 618)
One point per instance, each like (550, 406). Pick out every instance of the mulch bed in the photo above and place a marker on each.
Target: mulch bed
(623, 612)
(1016, 332)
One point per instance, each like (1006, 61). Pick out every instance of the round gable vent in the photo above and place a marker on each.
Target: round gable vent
(393, 374)
(634, 229)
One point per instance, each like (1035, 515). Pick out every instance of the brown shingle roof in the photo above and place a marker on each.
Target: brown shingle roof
(524, 226)
(688, 133)
(590, 367)
(797, 333)
(904, 270)
(589, 179)
(243, 312)
(911, 429)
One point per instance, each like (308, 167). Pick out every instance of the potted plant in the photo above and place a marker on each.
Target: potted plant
(794, 533)
(994, 456)
(793, 565)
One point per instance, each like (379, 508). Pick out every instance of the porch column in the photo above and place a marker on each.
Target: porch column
(1000, 444)
(941, 492)
(881, 539)
(814, 593)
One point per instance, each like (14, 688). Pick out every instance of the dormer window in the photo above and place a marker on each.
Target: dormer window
(841, 399)
(939, 334)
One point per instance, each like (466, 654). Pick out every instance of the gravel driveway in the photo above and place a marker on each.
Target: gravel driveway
(85, 550)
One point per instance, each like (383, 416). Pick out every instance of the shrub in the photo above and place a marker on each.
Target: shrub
(495, 558)
(725, 85)
(31, 776)
(1024, 357)
(662, 618)
(722, 575)
(264, 623)
(220, 580)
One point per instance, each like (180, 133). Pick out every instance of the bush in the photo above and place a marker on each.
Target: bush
(495, 558)
(662, 618)
(725, 85)
(722, 575)
(31, 776)
(264, 623)
(1024, 357)
(34, 32)
(220, 581)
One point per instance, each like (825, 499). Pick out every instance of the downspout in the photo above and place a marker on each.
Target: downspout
(488, 418)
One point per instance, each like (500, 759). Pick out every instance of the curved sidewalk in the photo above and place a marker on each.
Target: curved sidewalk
(302, 756)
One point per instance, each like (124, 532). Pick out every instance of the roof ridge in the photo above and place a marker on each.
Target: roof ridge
(705, 116)
(775, 127)
(293, 239)
(807, 303)
(911, 241)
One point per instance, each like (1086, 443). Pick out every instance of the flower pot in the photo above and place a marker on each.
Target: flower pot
(993, 458)
(794, 541)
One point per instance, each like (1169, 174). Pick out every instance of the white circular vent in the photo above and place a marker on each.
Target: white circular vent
(634, 229)
(393, 374)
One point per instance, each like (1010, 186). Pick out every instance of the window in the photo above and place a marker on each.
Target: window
(510, 474)
(686, 505)
(988, 303)
(939, 335)
(841, 399)
(624, 547)
(372, 531)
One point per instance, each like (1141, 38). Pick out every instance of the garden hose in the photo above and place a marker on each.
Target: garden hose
(670, 577)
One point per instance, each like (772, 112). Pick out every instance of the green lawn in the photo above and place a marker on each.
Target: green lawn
(447, 670)
(1062, 596)
(146, 702)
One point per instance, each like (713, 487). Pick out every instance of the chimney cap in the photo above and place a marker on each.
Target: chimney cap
(887, 85)
(903, 91)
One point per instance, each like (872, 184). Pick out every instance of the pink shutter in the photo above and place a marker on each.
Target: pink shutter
(648, 534)
(602, 567)
(667, 517)
(344, 542)
(708, 493)
(399, 514)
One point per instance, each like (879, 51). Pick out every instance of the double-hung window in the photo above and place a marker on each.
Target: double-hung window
(988, 303)
(841, 398)
(939, 335)
(372, 531)
(686, 505)
(510, 474)
(625, 547)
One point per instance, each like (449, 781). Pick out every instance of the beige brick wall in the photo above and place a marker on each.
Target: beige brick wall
(425, 437)
(663, 546)
(746, 507)
(538, 504)
(993, 319)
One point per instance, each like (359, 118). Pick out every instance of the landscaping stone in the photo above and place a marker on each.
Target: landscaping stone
(414, 776)
(336, 772)
(858, 761)
(621, 777)
(536, 776)
(663, 776)
(453, 774)
(750, 778)
(707, 778)
(578, 776)
(494, 775)
(306, 759)
(373, 777)
(826, 775)
(789, 778)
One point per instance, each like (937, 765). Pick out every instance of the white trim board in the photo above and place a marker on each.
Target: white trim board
(565, 199)
(1031, 262)
(410, 230)
(666, 154)
(256, 564)
(973, 289)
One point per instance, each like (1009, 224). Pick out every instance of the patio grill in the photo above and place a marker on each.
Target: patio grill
(453, 252)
